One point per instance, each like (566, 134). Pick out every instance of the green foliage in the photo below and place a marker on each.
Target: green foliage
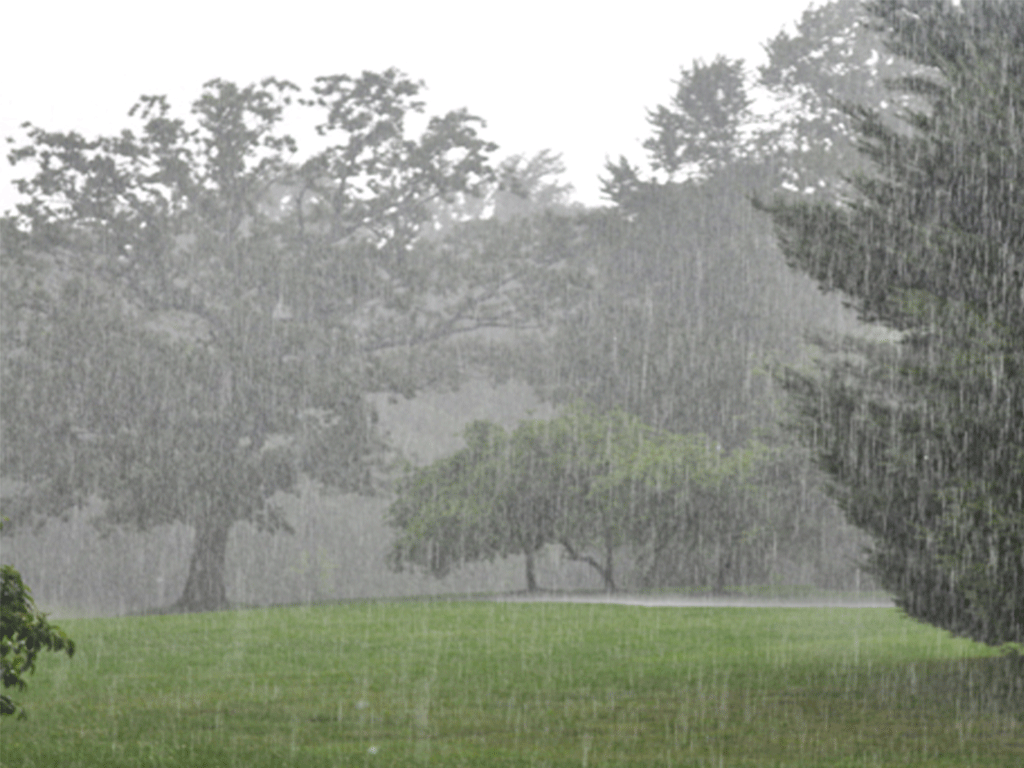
(924, 438)
(694, 301)
(24, 632)
(593, 483)
(629, 484)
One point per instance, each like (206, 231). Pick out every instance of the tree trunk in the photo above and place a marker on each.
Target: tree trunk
(607, 573)
(204, 588)
(531, 577)
(724, 569)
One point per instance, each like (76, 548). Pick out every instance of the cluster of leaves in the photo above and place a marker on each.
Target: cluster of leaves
(24, 632)
(592, 483)
(924, 437)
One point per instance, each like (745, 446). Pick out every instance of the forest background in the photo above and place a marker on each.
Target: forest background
(454, 289)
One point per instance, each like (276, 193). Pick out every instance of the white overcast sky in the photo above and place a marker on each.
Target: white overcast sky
(575, 77)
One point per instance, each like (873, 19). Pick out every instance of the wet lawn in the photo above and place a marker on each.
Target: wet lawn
(517, 684)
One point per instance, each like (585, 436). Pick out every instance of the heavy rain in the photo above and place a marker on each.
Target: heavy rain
(333, 432)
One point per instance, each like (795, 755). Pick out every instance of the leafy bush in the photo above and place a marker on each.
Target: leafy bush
(24, 632)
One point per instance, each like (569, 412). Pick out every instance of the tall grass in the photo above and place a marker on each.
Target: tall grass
(492, 684)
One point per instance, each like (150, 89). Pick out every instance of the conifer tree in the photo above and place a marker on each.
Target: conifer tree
(924, 437)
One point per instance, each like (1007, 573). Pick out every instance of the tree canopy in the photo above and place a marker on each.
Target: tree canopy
(700, 128)
(924, 436)
(596, 484)
(193, 310)
(834, 59)
(690, 301)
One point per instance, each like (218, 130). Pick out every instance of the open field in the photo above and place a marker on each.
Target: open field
(477, 683)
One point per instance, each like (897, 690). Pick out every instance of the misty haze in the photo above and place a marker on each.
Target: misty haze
(334, 432)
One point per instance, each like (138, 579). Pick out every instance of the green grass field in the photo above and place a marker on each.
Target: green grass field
(491, 684)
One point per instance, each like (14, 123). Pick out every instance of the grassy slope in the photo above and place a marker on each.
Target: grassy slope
(486, 684)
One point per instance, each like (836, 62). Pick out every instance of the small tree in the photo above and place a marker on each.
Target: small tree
(632, 485)
(24, 632)
(700, 129)
(473, 505)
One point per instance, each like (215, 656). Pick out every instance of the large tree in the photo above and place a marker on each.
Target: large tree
(924, 436)
(193, 310)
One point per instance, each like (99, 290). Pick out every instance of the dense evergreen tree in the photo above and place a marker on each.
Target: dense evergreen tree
(924, 436)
